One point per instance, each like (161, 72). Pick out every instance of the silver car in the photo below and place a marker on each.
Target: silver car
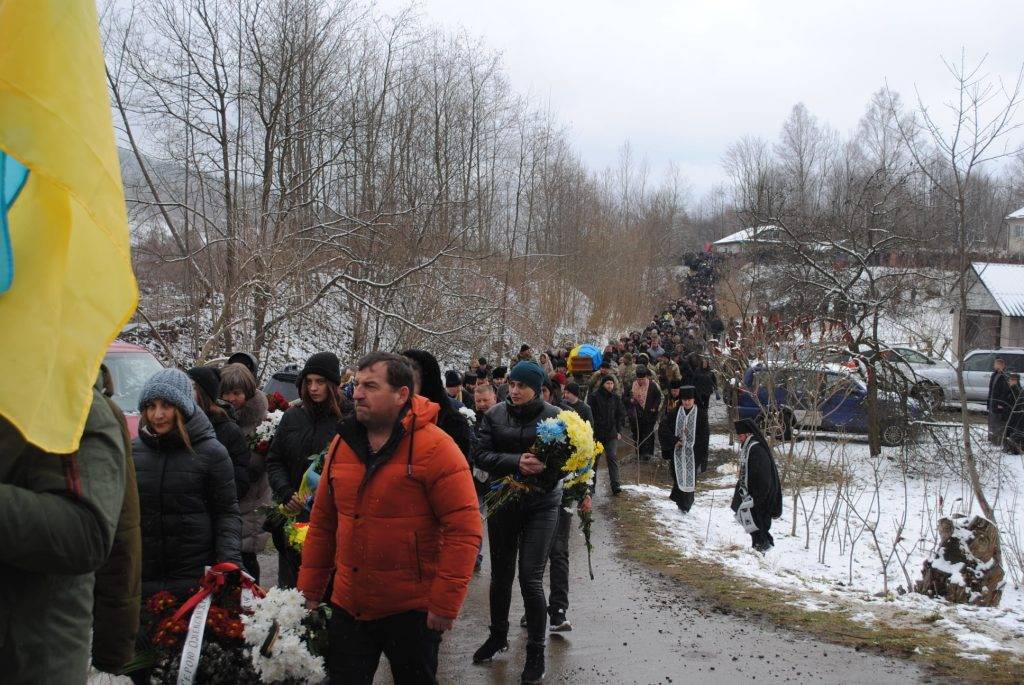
(935, 379)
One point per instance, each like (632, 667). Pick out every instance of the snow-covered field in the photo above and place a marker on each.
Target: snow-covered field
(854, 541)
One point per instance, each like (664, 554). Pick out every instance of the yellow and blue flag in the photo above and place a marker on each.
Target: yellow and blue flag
(66, 281)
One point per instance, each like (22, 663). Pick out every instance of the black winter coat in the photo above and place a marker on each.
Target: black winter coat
(582, 409)
(188, 511)
(301, 434)
(458, 428)
(763, 485)
(508, 431)
(237, 445)
(609, 414)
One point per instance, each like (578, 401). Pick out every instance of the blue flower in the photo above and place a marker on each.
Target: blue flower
(551, 430)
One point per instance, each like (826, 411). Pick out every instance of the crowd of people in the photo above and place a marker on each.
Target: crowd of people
(395, 528)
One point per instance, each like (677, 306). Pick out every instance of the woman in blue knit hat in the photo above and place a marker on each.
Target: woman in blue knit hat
(187, 502)
(523, 528)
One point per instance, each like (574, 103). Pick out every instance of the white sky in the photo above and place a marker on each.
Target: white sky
(681, 79)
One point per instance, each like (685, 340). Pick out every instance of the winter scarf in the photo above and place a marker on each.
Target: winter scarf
(640, 388)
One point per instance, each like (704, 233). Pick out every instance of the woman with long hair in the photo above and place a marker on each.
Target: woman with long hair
(188, 509)
(427, 374)
(206, 384)
(238, 388)
(305, 431)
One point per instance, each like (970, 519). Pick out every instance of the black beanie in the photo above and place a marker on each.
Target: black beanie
(746, 427)
(672, 385)
(687, 392)
(573, 388)
(246, 360)
(324, 364)
(207, 378)
(452, 378)
(499, 372)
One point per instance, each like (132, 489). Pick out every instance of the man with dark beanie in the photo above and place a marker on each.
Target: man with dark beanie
(523, 528)
(499, 376)
(758, 496)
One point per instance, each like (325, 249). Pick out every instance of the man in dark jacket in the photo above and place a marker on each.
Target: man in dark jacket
(523, 528)
(118, 593)
(758, 489)
(571, 399)
(58, 518)
(609, 416)
(998, 405)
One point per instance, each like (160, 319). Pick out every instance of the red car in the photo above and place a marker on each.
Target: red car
(131, 366)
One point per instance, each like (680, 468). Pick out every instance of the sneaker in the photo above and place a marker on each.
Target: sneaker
(523, 623)
(495, 643)
(559, 623)
(533, 671)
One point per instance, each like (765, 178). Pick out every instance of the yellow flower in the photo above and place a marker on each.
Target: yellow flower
(581, 437)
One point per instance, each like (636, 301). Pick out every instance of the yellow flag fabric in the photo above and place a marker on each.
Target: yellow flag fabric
(73, 288)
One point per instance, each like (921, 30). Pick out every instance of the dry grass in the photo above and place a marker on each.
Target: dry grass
(920, 642)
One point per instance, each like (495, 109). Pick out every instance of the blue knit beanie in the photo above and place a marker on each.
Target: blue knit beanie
(530, 374)
(170, 385)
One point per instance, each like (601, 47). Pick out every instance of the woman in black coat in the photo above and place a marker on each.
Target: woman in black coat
(207, 388)
(449, 419)
(188, 511)
(304, 432)
(645, 398)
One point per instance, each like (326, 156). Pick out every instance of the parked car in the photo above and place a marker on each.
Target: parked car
(284, 382)
(924, 378)
(831, 399)
(130, 367)
(939, 377)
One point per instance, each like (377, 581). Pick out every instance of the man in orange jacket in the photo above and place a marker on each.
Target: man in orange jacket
(395, 520)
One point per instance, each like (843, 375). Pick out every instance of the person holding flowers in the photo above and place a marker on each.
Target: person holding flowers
(188, 509)
(522, 528)
(304, 432)
(238, 388)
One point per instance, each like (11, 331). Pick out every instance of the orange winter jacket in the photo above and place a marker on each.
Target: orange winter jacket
(399, 530)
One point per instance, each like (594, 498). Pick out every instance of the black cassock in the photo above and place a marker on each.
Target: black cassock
(764, 487)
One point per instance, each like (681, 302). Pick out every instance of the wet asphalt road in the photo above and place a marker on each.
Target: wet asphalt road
(632, 626)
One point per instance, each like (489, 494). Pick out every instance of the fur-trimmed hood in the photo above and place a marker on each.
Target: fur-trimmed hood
(252, 413)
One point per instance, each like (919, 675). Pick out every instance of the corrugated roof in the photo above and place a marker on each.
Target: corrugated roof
(759, 233)
(1019, 214)
(1006, 284)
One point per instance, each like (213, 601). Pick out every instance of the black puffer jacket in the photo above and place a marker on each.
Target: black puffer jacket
(187, 504)
(609, 414)
(237, 445)
(301, 434)
(506, 432)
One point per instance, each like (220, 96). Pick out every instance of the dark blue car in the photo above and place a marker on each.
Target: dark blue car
(827, 399)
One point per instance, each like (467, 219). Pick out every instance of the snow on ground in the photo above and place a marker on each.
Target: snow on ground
(834, 561)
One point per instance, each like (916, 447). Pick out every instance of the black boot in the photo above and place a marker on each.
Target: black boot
(533, 672)
(495, 643)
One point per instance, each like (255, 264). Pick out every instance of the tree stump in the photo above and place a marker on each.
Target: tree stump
(967, 568)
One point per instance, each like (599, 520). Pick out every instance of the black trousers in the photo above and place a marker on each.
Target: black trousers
(645, 433)
(252, 565)
(683, 500)
(522, 529)
(356, 647)
(558, 601)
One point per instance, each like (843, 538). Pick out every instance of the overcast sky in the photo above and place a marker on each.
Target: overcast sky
(681, 79)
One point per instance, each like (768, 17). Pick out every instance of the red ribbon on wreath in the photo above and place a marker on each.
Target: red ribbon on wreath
(215, 579)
